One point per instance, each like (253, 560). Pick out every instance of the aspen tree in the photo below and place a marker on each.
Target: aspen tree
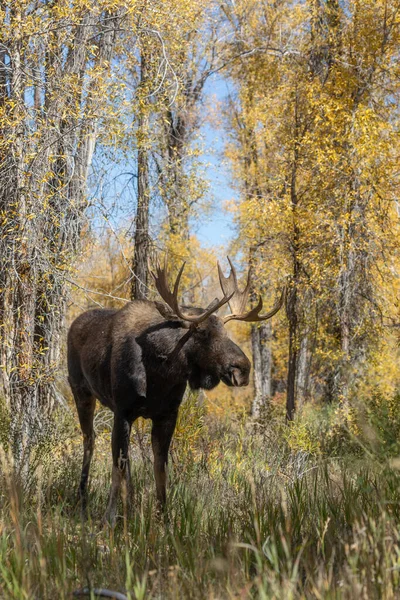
(324, 78)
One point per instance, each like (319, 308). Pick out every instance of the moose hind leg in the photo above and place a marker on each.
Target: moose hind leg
(161, 436)
(85, 404)
(120, 451)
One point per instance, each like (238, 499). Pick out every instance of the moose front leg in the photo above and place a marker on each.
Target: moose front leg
(161, 436)
(120, 451)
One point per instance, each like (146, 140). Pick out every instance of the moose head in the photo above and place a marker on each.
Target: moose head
(213, 356)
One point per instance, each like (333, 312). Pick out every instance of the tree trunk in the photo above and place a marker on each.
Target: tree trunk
(302, 372)
(292, 360)
(261, 336)
(42, 190)
(293, 297)
(177, 139)
(141, 239)
(262, 367)
(257, 371)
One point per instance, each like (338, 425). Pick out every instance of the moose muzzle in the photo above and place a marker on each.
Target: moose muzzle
(237, 376)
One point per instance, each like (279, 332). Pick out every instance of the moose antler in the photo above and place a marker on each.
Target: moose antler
(171, 298)
(239, 299)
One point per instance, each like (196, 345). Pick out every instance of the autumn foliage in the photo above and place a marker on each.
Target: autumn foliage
(104, 110)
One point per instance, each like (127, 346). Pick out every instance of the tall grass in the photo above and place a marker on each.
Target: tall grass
(249, 517)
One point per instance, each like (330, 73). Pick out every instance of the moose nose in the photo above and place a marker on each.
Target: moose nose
(238, 377)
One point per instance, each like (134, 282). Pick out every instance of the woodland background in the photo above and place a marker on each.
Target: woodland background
(104, 166)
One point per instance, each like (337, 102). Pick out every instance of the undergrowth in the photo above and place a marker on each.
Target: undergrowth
(256, 510)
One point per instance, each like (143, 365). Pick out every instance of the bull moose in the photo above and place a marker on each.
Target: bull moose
(138, 360)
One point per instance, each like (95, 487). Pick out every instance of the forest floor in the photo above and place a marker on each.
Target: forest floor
(251, 515)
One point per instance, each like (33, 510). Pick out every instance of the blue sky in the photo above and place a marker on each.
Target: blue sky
(115, 184)
(217, 230)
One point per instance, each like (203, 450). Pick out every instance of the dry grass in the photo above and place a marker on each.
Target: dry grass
(248, 518)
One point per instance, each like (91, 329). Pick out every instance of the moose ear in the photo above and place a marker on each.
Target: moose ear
(165, 311)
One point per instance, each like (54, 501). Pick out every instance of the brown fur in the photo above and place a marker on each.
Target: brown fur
(138, 363)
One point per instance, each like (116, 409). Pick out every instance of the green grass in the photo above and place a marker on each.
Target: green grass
(248, 518)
